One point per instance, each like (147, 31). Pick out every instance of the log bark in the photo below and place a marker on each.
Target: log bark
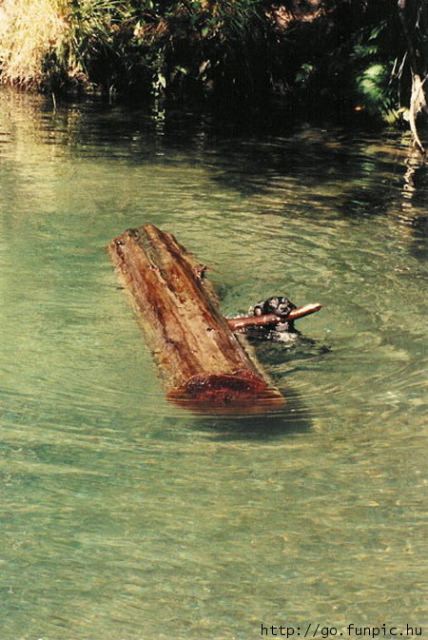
(203, 364)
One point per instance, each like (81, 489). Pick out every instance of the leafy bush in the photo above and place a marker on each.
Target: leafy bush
(353, 53)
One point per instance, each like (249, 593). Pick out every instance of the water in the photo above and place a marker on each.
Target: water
(126, 518)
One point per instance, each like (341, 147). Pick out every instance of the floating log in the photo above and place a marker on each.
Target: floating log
(203, 364)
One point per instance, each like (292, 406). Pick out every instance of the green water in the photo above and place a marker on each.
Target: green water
(125, 518)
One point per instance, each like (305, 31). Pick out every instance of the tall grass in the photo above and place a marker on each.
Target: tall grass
(142, 45)
(30, 31)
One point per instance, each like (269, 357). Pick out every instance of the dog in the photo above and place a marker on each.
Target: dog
(282, 331)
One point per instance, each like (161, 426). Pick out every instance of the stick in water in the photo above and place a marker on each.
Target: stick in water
(236, 324)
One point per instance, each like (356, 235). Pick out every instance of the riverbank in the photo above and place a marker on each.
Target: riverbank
(310, 54)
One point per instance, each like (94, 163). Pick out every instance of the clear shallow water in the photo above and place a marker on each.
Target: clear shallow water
(123, 517)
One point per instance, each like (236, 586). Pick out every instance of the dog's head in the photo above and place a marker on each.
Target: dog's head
(278, 305)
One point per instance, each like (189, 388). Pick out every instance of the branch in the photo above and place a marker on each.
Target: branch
(240, 324)
(417, 99)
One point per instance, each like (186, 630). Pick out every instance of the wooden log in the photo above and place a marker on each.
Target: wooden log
(203, 364)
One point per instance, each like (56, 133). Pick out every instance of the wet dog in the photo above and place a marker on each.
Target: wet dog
(282, 331)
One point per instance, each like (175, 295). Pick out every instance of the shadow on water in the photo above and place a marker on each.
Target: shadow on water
(281, 360)
(294, 418)
(348, 170)
(361, 173)
(352, 171)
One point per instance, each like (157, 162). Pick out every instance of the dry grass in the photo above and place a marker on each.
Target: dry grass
(29, 31)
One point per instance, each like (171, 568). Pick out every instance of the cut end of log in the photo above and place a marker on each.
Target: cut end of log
(228, 393)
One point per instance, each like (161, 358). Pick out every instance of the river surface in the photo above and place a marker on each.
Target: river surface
(126, 518)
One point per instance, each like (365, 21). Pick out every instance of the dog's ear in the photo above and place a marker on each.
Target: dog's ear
(258, 310)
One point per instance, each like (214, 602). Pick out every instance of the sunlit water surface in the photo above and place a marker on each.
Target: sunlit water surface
(125, 518)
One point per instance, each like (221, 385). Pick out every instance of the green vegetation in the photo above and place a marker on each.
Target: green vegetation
(370, 56)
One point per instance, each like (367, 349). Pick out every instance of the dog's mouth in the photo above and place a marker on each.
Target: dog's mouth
(278, 305)
(281, 307)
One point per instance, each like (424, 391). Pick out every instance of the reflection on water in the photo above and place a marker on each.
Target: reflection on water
(125, 517)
